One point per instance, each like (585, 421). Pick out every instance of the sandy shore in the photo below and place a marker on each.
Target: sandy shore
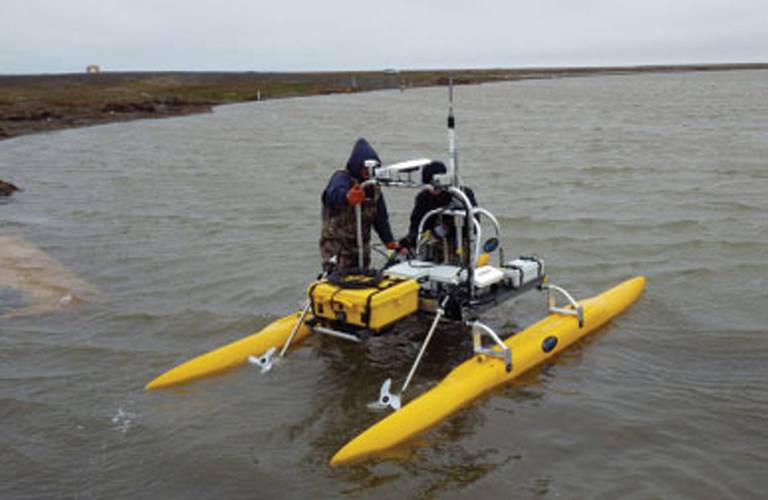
(35, 283)
(40, 103)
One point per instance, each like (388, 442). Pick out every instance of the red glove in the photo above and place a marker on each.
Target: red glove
(392, 245)
(355, 195)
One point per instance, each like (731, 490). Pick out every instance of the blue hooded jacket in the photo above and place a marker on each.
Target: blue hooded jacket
(335, 194)
(360, 153)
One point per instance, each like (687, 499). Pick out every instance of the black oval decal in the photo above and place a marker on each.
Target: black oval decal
(549, 343)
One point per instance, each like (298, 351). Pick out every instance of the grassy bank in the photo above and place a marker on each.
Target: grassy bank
(37, 103)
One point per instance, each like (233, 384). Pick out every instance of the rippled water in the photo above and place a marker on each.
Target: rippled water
(198, 230)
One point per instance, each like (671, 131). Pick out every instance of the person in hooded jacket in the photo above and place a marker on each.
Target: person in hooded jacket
(433, 196)
(338, 236)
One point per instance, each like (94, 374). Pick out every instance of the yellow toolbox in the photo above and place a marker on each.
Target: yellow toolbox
(364, 301)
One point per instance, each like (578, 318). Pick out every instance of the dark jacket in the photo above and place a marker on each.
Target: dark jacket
(335, 198)
(338, 233)
(335, 194)
(426, 201)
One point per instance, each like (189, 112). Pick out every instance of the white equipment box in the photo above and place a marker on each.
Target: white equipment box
(412, 269)
(486, 276)
(450, 275)
(523, 270)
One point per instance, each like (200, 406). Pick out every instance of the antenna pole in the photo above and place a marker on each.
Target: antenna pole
(453, 162)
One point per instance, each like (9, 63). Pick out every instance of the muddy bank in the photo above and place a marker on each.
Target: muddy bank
(7, 189)
(38, 103)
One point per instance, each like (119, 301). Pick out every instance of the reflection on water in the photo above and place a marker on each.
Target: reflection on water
(35, 282)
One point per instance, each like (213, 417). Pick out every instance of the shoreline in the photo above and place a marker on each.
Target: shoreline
(43, 103)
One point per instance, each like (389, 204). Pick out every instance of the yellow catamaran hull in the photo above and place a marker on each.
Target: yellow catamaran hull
(234, 354)
(479, 374)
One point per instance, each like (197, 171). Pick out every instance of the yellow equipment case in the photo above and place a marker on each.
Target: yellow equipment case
(364, 301)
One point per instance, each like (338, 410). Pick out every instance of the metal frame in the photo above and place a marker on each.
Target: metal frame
(336, 333)
(462, 213)
(478, 331)
(455, 213)
(576, 310)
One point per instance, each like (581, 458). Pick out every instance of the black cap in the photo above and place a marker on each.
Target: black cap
(429, 171)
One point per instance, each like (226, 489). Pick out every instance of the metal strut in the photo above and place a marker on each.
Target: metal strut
(265, 360)
(440, 313)
(575, 308)
(478, 331)
(335, 333)
(304, 311)
(386, 398)
(307, 306)
(359, 235)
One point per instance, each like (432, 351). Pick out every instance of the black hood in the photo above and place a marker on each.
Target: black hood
(361, 152)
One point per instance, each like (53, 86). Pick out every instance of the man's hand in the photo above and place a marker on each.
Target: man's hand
(392, 248)
(404, 246)
(355, 195)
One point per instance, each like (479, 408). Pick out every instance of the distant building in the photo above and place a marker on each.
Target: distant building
(93, 69)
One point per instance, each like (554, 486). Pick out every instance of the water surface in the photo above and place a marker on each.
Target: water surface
(199, 230)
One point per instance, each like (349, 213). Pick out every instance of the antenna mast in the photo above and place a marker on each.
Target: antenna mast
(453, 162)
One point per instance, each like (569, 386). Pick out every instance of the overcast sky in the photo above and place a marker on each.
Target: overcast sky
(38, 36)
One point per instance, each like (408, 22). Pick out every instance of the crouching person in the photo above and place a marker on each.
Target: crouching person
(438, 240)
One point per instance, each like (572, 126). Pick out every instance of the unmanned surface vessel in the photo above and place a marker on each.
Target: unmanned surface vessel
(455, 273)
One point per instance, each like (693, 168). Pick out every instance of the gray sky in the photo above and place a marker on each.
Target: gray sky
(39, 36)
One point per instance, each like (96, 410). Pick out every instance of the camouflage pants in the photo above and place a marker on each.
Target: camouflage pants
(338, 236)
(345, 251)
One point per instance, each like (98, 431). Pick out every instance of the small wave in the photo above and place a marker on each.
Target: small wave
(606, 169)
(725, 247)
(123, 420)
(733, 172)
(734, 205)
